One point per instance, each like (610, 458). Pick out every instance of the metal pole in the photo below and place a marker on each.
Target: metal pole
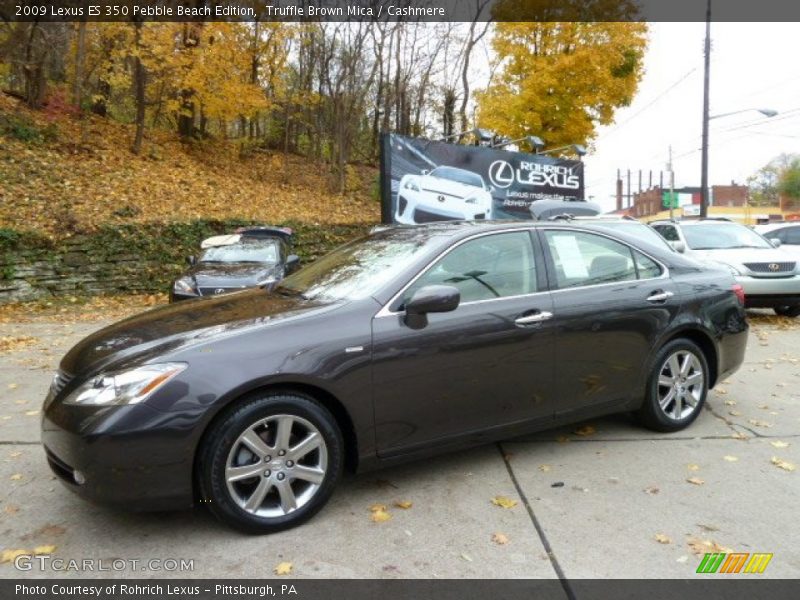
(704, 159)
(629, 198)
(671, 187)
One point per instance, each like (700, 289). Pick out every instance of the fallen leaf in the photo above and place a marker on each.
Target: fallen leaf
(695, 481)
(380, 516)
(734, 413)
(652, 490)
(730, 458)
(782, 464)
(46, 549)
(13, 386)
(16, 477)
(377, 507)
(721, 391)
(500, 539)
(404, 504)
(763, 406)
(17, 453)
(10, 555)
(693, 467)
(779, 444)
(504, 502)
(585, 430)
(11, 509)
(758, 423)
(662, 539)
(466, 557)
(284, 568)
(708, 527)
(730, 402)
(739, 436)
(31, 413)
(682, 559)
(544, 468)
(562, 439)
(698, 546)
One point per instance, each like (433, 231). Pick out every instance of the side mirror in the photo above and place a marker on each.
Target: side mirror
(191, 261)
(678, 246)
(292, 263)
(776, 243)
(490, 189)
(430, 299)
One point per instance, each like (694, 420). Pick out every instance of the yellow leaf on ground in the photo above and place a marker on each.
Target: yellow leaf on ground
(782, 464)
(31, 413)
(758, 423)
(662, 539)
(698, 546)
(377, 507)
(730, 458)
(504, 502)
(13, 386)
(10, 555)
(730, 402)
(284, 568)
(734, 413)
(379, 516)
(695, 481)
(46, 549)
(11, 509)
(404, 504)
(500, 538)
(544, 468)
(585, 430)
(779, 444)
(16, 477)
(693, 467)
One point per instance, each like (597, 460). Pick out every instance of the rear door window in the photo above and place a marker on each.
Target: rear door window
(582, 259)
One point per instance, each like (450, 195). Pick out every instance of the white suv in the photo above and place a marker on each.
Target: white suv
(769, 276)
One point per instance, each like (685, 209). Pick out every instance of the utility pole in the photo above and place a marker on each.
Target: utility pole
(704, 159)
(671, 186)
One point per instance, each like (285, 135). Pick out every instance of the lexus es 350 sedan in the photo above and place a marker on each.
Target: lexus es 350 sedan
(404, 343)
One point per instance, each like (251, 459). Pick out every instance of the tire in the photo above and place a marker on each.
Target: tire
(659, 411)
(237, 447)
(788, 311)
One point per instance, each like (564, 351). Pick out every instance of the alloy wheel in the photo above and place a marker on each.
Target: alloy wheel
(276, 465)
(681, 382)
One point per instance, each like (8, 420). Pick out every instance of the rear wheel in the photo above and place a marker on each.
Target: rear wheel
(271, 463)
(788, 311)
(677, 387)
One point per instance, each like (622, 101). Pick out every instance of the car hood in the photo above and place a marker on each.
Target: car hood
(227, 275)
(737, 256)
(450, 187)
(175, 326)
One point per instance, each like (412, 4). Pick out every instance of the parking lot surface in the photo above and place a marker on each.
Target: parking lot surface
(602, 499)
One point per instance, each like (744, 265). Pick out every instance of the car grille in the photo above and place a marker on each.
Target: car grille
(210, 291)
(774, 267)
(423, 216)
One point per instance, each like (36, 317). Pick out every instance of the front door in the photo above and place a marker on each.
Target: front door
(486, 364)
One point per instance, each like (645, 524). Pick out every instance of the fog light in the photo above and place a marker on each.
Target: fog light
(79, 477)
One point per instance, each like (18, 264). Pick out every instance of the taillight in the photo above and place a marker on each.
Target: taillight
(739, 291)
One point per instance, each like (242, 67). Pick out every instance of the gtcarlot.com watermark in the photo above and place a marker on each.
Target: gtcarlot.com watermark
(45, 562)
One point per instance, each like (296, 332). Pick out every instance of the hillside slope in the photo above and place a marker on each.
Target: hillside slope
(59, 176)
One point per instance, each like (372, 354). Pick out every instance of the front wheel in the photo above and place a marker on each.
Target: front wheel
(271, 463)
(677, 387)
(788, 311)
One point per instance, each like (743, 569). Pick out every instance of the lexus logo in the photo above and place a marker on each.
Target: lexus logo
(773, 266)
(501, 174)
(440, 198)
(219, 290)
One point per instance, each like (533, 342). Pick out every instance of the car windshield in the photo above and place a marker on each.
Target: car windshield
(356, 270)
(254, 251)
(459, 175)
(722, 236)
(638, 230)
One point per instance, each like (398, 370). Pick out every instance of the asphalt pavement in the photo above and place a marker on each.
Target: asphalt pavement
(602, 499)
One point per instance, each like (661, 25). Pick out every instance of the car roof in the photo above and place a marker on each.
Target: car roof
(773, 226)
(696, 222)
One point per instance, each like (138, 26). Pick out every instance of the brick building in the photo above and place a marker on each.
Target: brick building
(650, 202)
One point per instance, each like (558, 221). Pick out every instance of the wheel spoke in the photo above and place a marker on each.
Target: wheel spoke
(256, 445)
(665, 401)
(309, 443)
(688, 363)
(674, 365)
(678, 408)
(257, 497)
(288, 500)
(243, 472)
(284, 433)
(694, 379)
(309, 474)
(691, 399)
(665, 381)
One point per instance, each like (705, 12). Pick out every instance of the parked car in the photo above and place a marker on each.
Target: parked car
(627, 225)
(543, 210)
(445, 193)
(249, 257)
(788, 234)
(769, 276)
(401, 344)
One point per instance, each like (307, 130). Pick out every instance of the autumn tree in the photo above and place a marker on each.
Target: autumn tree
(560, 80)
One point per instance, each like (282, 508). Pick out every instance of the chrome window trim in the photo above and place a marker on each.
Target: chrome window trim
(385, 312)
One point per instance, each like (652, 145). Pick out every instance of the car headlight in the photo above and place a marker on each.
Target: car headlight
(733, 270)
(124, 387)
(411, 184)
(184, 285)
(268, 280)
(471, 200)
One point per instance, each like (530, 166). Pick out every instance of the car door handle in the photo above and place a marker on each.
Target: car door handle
(534, 318)
(659, 296)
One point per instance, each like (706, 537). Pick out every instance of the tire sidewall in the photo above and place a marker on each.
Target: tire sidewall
(651, 412)
(217, 446)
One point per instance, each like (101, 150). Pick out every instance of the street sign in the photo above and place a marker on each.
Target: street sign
(669, 199)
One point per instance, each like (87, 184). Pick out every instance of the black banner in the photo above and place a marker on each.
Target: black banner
(424, 181)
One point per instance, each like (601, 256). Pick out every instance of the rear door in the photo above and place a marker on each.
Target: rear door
(487, 364)
(610, 303)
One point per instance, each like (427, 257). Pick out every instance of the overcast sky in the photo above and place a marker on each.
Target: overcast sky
(753, 65)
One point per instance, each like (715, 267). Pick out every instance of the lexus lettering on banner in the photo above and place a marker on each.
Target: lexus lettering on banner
(424, 181)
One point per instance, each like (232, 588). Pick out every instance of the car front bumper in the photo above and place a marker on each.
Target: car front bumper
(132, 457)
(765, 292)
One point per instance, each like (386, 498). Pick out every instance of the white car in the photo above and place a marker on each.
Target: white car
(443, 194)
(787, 233)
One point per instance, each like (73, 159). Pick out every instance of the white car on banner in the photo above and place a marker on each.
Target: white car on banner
(445, 193)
